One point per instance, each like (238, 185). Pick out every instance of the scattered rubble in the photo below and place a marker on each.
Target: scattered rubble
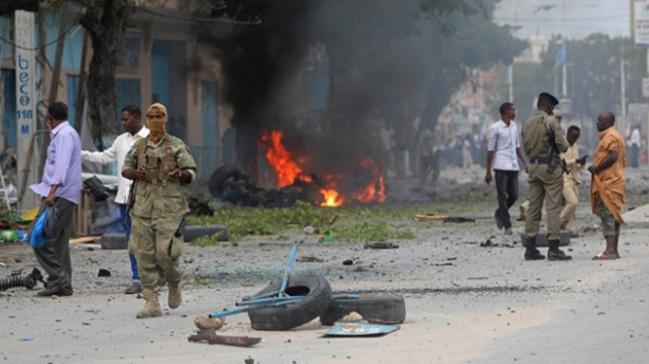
(229, 184)
(381, 245)
(28, 281)
(209, 336)
(309, 259)
(206, 322)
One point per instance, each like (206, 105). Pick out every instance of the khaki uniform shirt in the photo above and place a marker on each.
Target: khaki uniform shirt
(570, 157)
(535, 137)
(155, 198)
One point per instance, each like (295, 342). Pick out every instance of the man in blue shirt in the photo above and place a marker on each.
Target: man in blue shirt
(60, 190)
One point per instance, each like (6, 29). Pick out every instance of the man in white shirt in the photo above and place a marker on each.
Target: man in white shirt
(132, 122)
(635, 147)
(503, 152)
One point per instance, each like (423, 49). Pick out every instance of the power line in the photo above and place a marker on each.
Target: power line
(253, 21)
(39, 47)
(619, 16)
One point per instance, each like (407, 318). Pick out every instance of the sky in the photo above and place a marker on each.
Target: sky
(570, 18)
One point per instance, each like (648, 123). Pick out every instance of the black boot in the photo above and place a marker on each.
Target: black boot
(531, 253)
(554, 253)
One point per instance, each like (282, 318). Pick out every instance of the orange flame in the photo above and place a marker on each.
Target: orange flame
(374, 191)
(331, 197)
(287, 170)
(281, 160)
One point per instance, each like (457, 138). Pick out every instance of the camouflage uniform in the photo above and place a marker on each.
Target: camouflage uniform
(159, 207)
(542, 184)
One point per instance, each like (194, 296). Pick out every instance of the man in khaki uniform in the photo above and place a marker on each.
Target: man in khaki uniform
(526, 204)
(544, 182)
(159, 164)
(571, 181)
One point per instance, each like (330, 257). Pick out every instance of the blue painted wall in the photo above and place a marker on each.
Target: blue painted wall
(6, 49)
(127, 92)
(72, 46)
(72, 85)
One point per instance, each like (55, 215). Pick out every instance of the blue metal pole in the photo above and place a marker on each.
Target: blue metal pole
(245, 309)
(288, 268)
(270, 299)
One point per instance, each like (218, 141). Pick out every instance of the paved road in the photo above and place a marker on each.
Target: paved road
(466, 304)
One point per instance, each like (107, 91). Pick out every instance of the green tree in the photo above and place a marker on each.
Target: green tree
(474, 42)
(393, 54)
(105, 21)
(593, 78)
(594, 85)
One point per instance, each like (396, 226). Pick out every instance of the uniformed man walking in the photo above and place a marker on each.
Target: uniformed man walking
(544, 141)
(159, 164)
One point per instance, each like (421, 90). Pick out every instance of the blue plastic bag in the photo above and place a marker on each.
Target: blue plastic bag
(37, 236)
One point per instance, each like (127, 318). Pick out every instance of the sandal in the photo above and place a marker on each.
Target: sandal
(604, 256)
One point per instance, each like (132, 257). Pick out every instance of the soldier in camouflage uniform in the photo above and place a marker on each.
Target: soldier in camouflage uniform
(544, 182)
(160, 164)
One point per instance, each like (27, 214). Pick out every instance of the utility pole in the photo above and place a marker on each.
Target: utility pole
(624, 125)
(25, 57)
(564, 80)
(639, 37)
(510, 80)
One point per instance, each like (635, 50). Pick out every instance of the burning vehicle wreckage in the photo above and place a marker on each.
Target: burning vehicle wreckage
(295, 182)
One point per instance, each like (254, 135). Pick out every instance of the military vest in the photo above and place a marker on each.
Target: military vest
(159, 195)
(157, 168)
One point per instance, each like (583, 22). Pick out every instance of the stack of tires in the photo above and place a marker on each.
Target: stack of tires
(319, 301)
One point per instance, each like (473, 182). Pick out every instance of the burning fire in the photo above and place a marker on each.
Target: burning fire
(288, 169)
(375, 190)
(281, 160)
(331, 197)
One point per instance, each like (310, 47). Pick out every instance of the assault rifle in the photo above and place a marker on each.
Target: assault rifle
(554, 161)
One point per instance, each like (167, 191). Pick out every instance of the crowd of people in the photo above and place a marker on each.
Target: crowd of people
(153, 166)
(551, 161)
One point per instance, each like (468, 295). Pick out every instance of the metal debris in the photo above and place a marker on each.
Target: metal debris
(16, 280)
(381, 245)
(209, 336)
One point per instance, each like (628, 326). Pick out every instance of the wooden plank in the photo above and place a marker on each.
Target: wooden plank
(84, 240)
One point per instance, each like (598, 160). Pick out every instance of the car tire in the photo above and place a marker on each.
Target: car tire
(317, 297)
(376, 308)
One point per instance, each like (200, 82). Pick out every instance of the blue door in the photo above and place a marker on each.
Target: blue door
(161, 78)
(9, 118)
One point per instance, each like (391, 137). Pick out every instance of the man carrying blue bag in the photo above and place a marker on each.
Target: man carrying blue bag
(60, 190)
(37, 235)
